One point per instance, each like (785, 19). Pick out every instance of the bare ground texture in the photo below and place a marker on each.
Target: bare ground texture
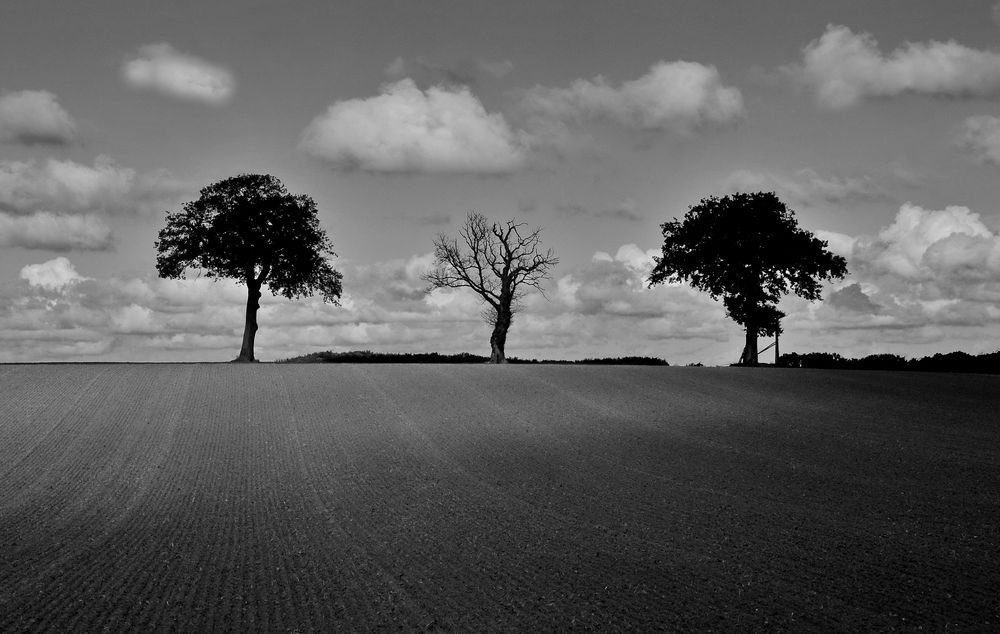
(496, 498)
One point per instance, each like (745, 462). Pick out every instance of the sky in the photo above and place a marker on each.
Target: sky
(876, 122)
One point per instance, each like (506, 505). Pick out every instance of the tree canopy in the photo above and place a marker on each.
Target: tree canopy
(748, 250)
(250, 229)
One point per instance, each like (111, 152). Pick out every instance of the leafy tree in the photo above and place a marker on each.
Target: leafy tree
(748, 249)
(250, 229)
(497, 261)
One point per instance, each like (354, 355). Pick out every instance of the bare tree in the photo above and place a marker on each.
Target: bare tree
(499, 261)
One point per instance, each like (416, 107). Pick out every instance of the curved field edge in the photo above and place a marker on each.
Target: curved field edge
(318, 497)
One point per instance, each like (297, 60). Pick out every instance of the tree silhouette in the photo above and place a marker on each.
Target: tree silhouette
(748, 249)
(250, 229)
(497, 261)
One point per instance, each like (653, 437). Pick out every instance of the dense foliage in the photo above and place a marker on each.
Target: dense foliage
(250, 229)
(748, 250)
(988, 363)
(367, 356)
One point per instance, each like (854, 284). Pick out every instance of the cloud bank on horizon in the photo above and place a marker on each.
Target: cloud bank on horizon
(927, 271)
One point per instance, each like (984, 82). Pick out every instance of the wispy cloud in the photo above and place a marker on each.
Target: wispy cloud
(34, 117)
(68, 187)
(461, 73)
(426, 73)
(55, 232)
(434, 220)
(981, 138)
(525, 206)
(626, 209)
(408, 130)
(808, 187)
(843, 68)
(498, 68)
(161, 68)
(673, 96)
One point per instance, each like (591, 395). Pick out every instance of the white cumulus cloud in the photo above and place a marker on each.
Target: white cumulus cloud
(405, 129)
(34, 117)
(608, 301)
(134, 319)
(678, 96)
(55, 232)
(161, 68)
(838, 243)
(843, 68)
(637, 260)
(54, 274)
(923, 244)
(927, 282)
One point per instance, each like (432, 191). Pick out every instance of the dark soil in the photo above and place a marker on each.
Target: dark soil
(506, 498)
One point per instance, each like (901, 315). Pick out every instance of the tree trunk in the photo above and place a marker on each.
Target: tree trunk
(750, 349)
(250, 327)
(499, 337)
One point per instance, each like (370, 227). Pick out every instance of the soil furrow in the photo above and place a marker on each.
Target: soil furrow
(480, 498)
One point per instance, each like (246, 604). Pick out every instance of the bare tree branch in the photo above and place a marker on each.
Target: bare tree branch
(498, 262)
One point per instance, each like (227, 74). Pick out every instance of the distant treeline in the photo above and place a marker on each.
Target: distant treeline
(367, 356)
(988, 363)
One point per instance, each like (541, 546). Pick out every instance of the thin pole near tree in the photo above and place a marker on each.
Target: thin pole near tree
(499, 261)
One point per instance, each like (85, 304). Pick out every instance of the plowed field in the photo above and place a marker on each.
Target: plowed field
(480, 498)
